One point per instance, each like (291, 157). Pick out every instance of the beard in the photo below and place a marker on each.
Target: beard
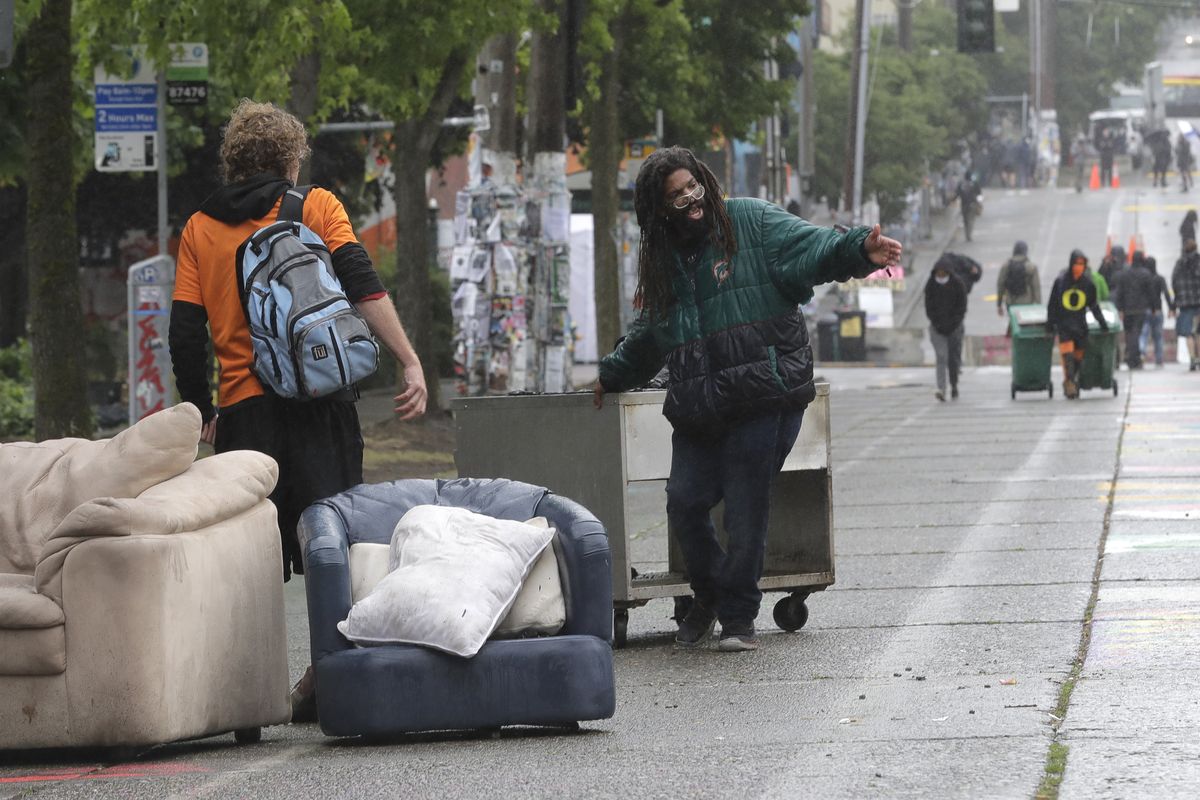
(689, 233)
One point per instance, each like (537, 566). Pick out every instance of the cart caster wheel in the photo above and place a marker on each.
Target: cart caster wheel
(620, 627)
(791, 612)
(248, 735)
(683, 605)
(1014, 392)
(1114, 387)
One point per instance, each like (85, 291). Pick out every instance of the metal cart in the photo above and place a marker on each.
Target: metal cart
(615, 462)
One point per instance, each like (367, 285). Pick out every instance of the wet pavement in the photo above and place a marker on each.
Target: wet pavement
(972, 537)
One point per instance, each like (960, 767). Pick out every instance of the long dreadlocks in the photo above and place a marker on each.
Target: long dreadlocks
(655, 257)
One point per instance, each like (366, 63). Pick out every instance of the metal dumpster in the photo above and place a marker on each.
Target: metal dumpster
(615, 461)
(1032, 349)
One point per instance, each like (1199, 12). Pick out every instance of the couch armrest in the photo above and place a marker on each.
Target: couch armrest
(211, 490)
(326, 553)
(583, 547)
(174, 636)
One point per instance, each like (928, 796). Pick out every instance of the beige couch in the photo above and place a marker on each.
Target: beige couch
(140, 592)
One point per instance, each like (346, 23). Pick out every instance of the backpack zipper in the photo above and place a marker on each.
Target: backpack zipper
(337, 353)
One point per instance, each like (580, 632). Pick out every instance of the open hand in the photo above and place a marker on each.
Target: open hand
(410, 403)
(881, 250)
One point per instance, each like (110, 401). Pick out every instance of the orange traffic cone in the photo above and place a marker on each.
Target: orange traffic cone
(1129, 251)
(1116, 179)
(1108, 246)
(1094, 182)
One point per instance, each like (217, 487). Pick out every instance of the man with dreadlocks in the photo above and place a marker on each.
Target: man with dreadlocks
(719, 285)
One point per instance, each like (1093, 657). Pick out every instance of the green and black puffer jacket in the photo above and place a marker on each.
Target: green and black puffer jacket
(735, 342)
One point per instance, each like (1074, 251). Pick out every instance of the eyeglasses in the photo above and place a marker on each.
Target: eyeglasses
(684, 200)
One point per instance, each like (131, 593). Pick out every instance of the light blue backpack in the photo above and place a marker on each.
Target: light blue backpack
(309, 341)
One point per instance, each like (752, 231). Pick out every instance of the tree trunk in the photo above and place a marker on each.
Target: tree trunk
(302, 103)
(605, 157)
(60, 397)
(413, 142)
(412, 254)
(14, 300)
(547, 85)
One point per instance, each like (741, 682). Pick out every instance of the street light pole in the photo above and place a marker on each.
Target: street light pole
(860, 115)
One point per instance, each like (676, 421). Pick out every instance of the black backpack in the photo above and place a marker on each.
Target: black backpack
(1016, 282)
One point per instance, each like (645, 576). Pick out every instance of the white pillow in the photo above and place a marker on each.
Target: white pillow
(539, 608)
(454, 574)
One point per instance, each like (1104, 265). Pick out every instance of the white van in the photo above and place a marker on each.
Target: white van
(1126, 125)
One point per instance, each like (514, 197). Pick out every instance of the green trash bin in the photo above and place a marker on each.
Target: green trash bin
(1032, 349)
(1100, 358)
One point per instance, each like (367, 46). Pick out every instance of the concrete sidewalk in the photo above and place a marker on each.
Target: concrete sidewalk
(1131, 723)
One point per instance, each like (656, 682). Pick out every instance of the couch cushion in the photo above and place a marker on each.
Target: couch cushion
(33, 651)
(22, 607)
(454, 575)
(46, 480)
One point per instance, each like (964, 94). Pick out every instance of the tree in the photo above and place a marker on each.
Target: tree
(412, 65)
(61, 407)
(701, 62)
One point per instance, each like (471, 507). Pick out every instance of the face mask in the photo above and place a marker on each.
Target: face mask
(942, 279)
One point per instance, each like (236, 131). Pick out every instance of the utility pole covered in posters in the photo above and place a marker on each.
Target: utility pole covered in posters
(548, 208)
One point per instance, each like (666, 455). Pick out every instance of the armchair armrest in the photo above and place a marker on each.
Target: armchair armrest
(326, 551)
(583, 547)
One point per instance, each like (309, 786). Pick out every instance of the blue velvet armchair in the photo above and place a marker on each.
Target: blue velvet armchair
(380, 691)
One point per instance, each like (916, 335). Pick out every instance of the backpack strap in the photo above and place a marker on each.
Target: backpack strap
(291, 207)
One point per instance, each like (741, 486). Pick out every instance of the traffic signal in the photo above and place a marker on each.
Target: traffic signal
(976, 26)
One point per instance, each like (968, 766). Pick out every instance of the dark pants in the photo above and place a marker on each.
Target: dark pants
(317, 444)
(1133, 335)
(737, 465)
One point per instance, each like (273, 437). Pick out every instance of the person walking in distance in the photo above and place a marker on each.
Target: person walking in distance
(1133, 296)
(317, 443)
(1185, 282)
(1018, 282)
(719, 288)
(1184, 160)
(946, 306)
(1107, 147)
(1072, 297)
(1152, 328)
(1187, 228)
(968, 200)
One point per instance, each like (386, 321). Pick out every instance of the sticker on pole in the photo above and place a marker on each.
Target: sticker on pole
(187, 74)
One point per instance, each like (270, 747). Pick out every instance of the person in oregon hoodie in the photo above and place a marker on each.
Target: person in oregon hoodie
(720, 283)
(946, 306)
(1072, 297)
(317, 443)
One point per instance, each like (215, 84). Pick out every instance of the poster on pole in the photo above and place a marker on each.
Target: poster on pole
(126, 118)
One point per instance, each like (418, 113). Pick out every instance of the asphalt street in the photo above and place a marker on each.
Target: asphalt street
(972, 540)
(1018, 592)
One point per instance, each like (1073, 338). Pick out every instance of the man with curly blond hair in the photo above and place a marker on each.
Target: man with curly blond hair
(317, 443)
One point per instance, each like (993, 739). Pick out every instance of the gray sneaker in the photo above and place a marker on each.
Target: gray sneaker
(696, 627)
(737, 639)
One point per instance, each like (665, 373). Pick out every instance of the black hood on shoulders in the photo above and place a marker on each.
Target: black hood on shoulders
(248, 199)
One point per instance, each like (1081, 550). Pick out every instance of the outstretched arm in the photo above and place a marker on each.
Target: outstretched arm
(384, 322)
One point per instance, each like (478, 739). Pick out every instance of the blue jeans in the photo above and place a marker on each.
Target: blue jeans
(1153, 326)
(737, 465)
